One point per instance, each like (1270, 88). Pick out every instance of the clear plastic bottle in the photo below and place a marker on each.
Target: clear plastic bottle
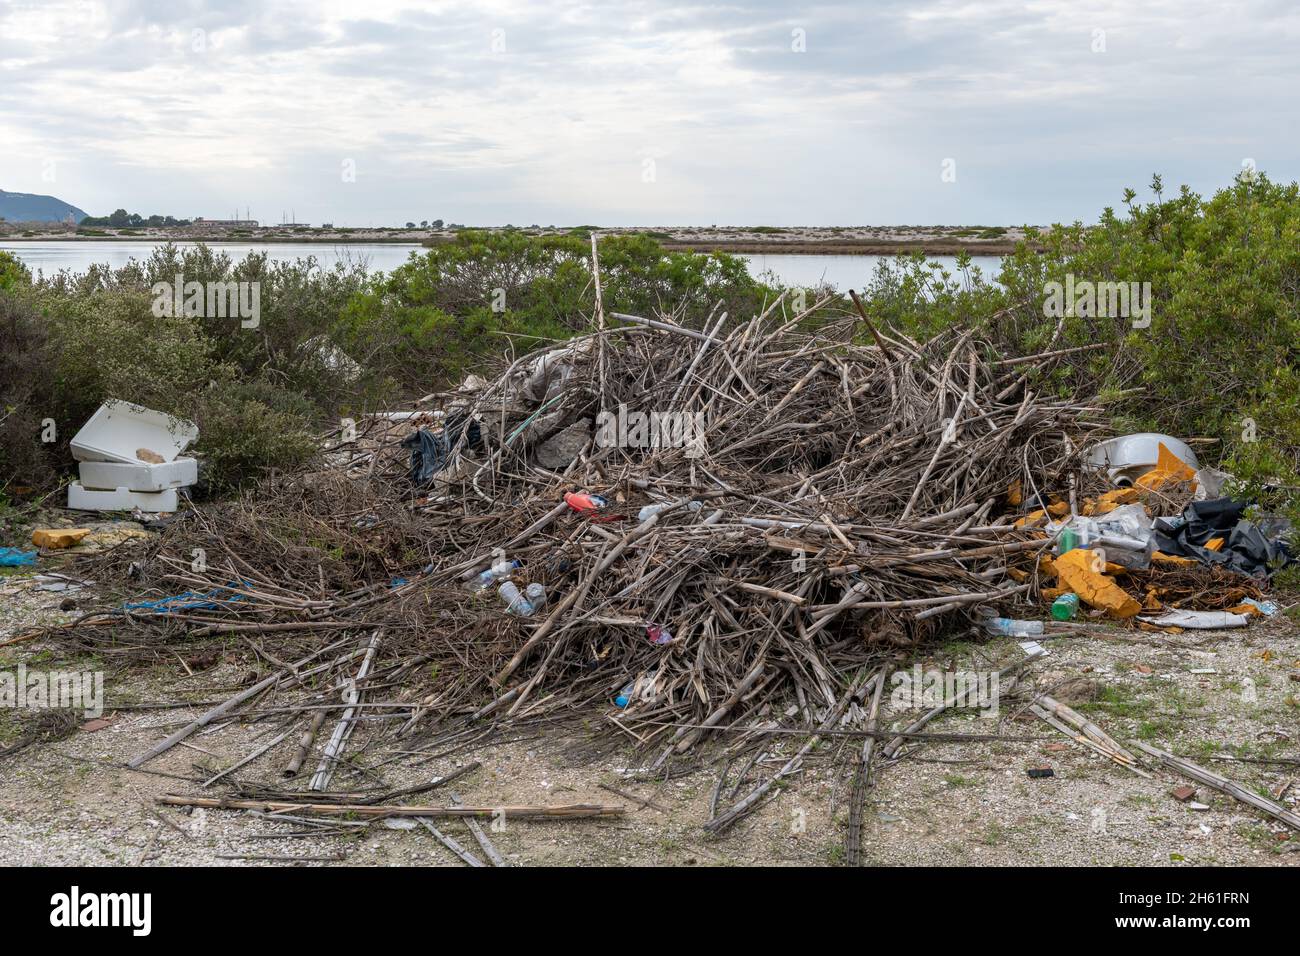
(516, 603)
(1010, 627)
(535, 594)
(649, 511)
(498, 572)
(635, 689)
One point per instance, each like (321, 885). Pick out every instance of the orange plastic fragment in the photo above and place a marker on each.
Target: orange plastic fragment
(1245, 609)
(56, 538)
(1113, 499)
(1170, 470)
(1015, 495)
(1031, 518)
(1077, 571)
(1214, 544)
(1174, 560)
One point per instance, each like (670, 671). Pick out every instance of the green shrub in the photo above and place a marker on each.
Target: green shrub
(13, 274)
(248, 428)
(488, 292)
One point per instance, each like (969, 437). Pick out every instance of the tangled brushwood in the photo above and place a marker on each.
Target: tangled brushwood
(759, 516)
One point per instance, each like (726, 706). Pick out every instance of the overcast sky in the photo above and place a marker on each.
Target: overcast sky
(645, 113)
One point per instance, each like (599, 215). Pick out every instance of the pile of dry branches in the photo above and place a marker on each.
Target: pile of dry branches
(831, 498)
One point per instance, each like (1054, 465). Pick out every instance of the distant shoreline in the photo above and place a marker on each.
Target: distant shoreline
(804, 240)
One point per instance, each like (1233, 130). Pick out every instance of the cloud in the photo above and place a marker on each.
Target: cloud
(639, 112)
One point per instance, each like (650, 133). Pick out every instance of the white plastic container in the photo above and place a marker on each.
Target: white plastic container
(120, 499)
(139, 476)
(119, 429)
(1128, 457)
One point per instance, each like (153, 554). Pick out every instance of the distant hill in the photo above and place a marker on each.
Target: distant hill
(29, 207)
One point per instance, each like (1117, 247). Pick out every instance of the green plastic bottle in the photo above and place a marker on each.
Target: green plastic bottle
(1065, 607)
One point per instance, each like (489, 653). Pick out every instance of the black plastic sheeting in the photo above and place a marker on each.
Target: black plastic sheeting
(430, 450)
(1249, 548)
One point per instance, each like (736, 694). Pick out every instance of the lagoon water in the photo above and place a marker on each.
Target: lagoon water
(841, 271)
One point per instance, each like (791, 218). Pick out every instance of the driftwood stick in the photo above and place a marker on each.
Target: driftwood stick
(304, 744)
(862, 779)
(475, 828)
(749, 803)
(565, 811)
(320, 780)
(892, 747)
(247, 760)
(450, 844)
(1223, 785)
(1084, 725)
(229, 705)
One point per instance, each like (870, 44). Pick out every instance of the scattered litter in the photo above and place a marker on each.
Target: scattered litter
(190, 601)
(1198, 620)
(56, 539)
(137, 476)
(582, 503)
(1065, 607)
(1248, 547)
(1078, 571)
(57, 583)
(847, 509)
(118, 431)
(14, 558)
(1129, 457)
(430, 450)
(1223, 785)
(658, 635)
(1010, 627)
(81, 498)
(1267, 608)
(1183, 794)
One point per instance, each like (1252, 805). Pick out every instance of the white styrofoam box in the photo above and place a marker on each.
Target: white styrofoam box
(140, 476)
(119, 429)
(120, 499)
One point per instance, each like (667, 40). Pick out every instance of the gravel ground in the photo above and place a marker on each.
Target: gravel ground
(71, 801)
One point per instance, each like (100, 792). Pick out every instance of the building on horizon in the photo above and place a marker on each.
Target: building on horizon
(201, 223)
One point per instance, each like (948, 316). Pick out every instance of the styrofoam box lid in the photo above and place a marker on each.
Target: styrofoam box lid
(118, 429)
(120, 499)
(139, 475)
